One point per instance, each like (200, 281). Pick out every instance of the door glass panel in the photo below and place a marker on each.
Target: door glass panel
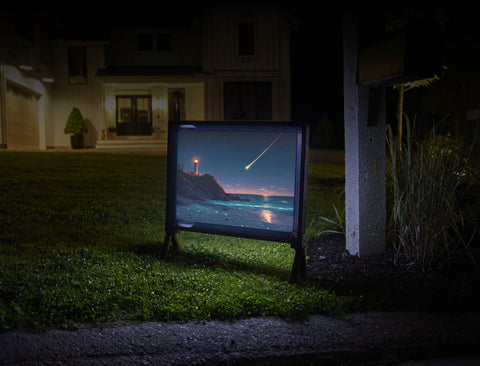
(134, 115)
(124, 109)
(143, 110)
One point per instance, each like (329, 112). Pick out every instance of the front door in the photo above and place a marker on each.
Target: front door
(134, 115)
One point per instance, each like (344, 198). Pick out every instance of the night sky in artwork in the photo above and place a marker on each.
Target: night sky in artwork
(226, 154)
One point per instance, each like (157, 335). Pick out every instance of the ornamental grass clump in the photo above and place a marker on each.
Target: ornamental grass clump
(427, 181)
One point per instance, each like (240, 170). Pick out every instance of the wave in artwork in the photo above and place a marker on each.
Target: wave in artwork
(200, 199)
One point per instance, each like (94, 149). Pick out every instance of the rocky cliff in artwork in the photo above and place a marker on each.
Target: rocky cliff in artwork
(201, 187)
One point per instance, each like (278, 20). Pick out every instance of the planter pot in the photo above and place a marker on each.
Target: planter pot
(77, 141)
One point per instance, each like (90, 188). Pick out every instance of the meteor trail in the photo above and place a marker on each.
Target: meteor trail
(263, 152)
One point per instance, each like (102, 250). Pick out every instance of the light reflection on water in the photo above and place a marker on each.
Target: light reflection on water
(268, 216)
(251, 211)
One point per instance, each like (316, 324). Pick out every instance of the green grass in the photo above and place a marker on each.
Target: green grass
(80, 237)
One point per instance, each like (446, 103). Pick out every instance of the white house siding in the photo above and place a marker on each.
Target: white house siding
(177, 68)
(220, 37)
(187, 48)
(194, 101)
(270, 63)
(203, 57)
(86, 97)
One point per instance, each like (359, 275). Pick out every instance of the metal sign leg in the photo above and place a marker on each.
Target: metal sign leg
(299, 262)
(169, 237)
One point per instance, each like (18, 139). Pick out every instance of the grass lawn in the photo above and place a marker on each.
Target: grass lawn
(80, 237)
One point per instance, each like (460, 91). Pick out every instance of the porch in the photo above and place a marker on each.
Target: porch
(134, 143)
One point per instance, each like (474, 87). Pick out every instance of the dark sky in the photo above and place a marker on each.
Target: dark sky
(315, 46)
(316, 73)
(226, 154)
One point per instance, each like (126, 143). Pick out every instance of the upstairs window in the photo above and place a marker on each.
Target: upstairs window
(148, 42)
(145, 42)
(164, 42)
(77, 65)
(246, 38)
(248, 101)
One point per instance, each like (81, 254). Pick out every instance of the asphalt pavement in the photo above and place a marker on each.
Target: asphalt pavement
(373, 338)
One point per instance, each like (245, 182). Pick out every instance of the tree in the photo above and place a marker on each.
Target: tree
(397, 19)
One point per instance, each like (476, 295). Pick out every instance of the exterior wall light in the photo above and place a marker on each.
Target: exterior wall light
(25, 67)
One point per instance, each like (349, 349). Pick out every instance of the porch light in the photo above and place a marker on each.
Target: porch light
(25, 67)
(109, 103)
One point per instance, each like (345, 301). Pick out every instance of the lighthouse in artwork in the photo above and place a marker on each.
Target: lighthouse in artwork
(195, 166)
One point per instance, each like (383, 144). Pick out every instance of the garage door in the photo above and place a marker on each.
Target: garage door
(22, 118)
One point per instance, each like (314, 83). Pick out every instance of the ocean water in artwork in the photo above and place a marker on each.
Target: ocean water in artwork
(247, 211)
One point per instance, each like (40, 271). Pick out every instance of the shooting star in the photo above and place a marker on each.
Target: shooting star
(263, 152)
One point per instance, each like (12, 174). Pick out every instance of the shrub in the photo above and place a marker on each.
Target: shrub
(426, 181)
(75, 123)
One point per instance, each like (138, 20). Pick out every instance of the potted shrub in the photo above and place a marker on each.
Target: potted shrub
(77, 128)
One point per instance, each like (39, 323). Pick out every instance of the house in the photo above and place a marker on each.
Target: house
(229, 64)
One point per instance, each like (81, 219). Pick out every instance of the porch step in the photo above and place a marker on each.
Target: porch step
(132, 143)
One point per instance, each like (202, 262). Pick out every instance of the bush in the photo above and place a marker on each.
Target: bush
(75, 123)
(426, 182)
